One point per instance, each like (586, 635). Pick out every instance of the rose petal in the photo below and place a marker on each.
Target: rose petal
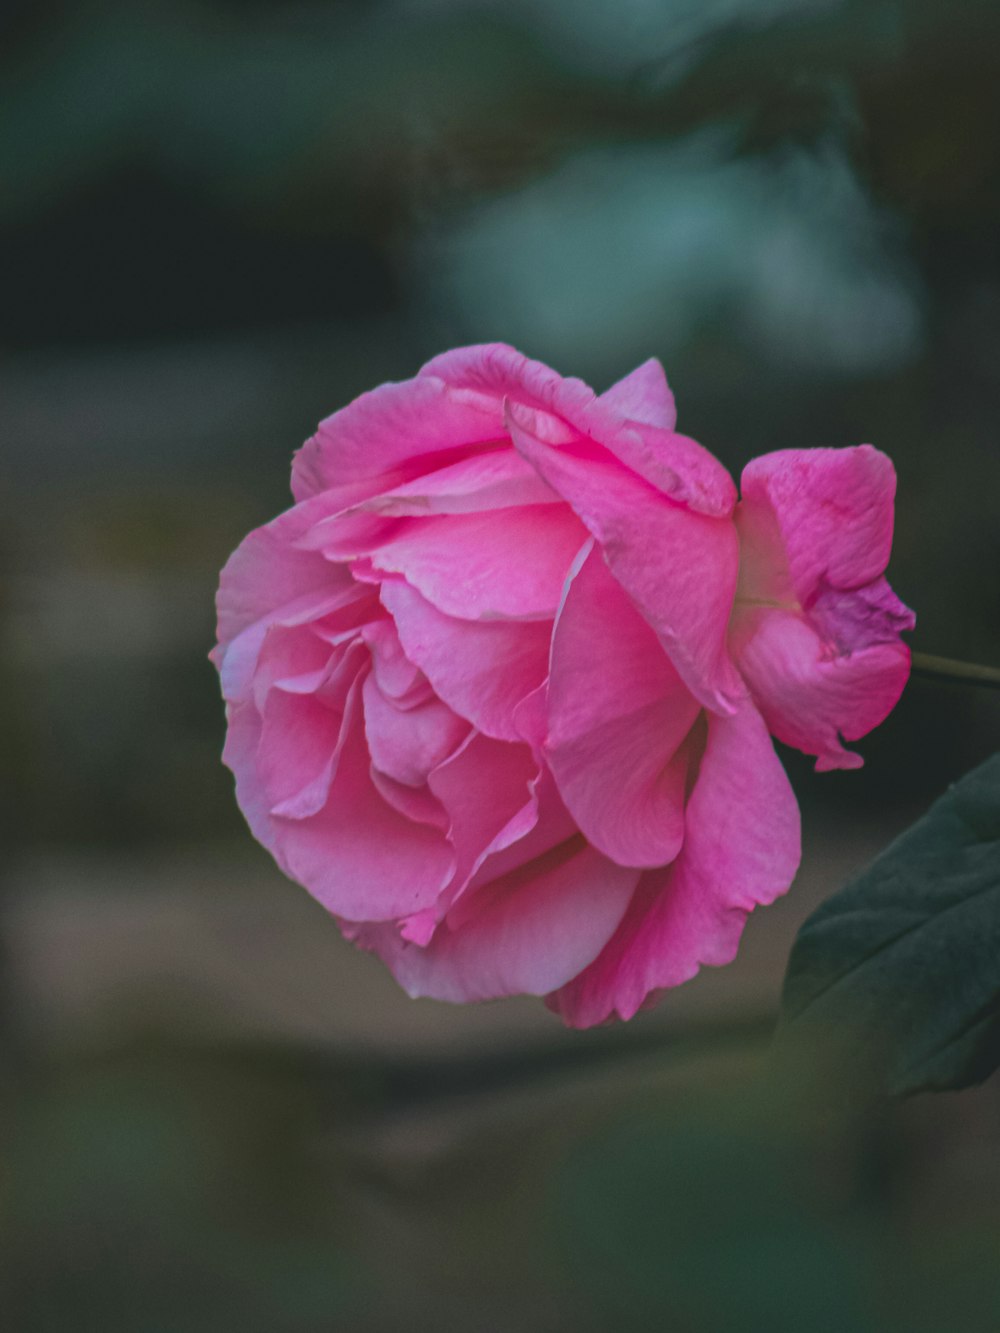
(481, 669)
(359, 856)
(833, 509)
(531, 932)
(397, 430)
(679, 567)
(618, 712)
(807, 692)
(500, 565)
(484, 786)
(406, 744)
(644, 395)
(674, 464)
(741, 849)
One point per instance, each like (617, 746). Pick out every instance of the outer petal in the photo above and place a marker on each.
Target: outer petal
(644, 395)
(679, 567)
(741, 849)
(833, 508)
(525, 934)
(618, 712)
(679, 467)
(481, 669)
(808, 692)
(397, 430)
(266, 573)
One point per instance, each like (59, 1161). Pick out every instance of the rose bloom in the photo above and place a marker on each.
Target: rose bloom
(500, 683)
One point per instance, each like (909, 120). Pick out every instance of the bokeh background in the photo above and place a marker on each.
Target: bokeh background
(221, 221)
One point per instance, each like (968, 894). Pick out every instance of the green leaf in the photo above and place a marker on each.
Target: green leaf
(904, 963)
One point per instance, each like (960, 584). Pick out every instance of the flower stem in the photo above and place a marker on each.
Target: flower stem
(961, 673)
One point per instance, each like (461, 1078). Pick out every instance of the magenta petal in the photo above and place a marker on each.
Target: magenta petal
(360, 857)
(807, 692)
(741, 849)
(481, 669)
(406, 427)
(618, 712)
(834, 510)
(497, 565)
(679, 567)
(644, 395)
(529, 934)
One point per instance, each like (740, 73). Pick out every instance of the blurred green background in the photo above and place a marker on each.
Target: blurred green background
(218, 223)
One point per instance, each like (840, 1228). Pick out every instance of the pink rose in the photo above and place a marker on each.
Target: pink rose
(499, 684)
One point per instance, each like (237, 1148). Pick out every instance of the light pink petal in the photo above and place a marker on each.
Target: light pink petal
(531, 931)
(238, 660)
(508, 564)
(416, 803)
(395, 673)
(807, 692)
(397, 431)
(266, 572)
(289, 654)
(679, 567)
(406, 744)
(239, 754)
(296, 758)
(483, 787)
(490, 372)
(618, 712)
(644, 395)
(741, 849)
(359, 856)
(481, 669)
(834, 511)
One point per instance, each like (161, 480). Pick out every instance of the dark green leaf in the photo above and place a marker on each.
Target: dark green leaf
(905, 961)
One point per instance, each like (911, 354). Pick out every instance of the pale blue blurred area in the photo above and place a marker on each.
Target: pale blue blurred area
(784, 256)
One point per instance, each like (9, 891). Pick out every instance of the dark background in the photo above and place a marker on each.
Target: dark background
(218, 223)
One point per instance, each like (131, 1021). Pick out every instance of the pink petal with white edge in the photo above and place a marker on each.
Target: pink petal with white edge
(741, 850)
(618, 713)
(481, 669)
(807, 692)
(509, 564)
(644, 395)
(360, 857)
(679, 567)
(399, 429)
(529, 934)
(834, 510)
